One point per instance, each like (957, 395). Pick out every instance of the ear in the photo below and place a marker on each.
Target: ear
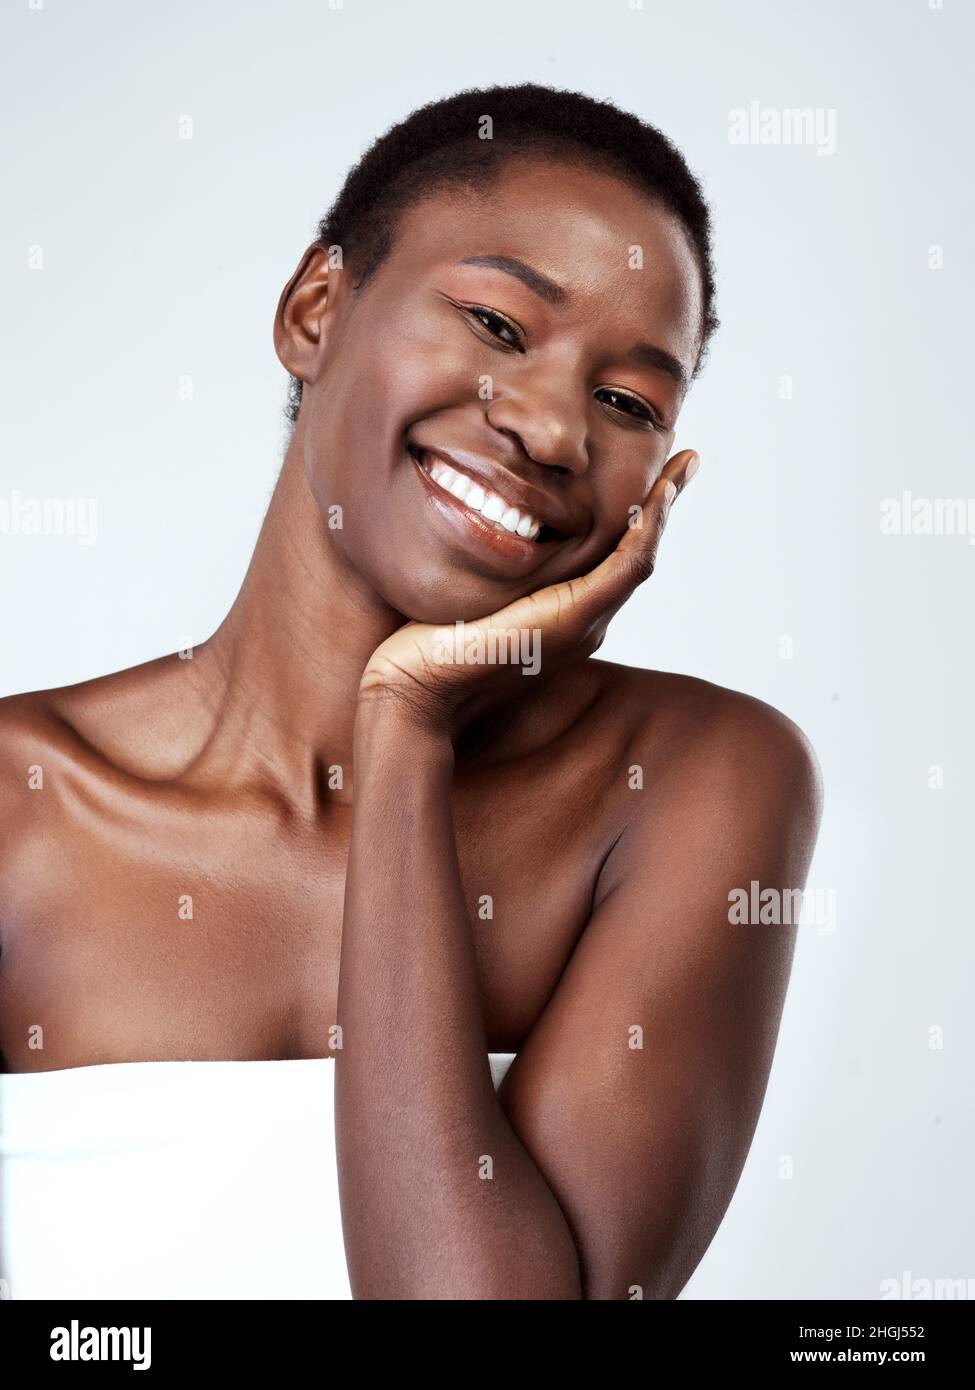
(298, 328)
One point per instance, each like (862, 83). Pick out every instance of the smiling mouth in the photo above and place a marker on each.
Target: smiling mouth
(490, 506)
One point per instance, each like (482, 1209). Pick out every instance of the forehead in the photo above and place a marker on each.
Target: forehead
(613, 249)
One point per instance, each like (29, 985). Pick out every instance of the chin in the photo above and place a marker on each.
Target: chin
(444, 599)
(443, 612)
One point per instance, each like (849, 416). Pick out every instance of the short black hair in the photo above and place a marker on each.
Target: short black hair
(442, 143)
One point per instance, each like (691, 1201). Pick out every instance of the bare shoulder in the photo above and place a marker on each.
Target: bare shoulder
(132, 721)
(703, 736)
(33, 734)
(35, 747)
(62, 741)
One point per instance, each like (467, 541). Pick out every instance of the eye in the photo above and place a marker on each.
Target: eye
(497, 325)
(628, 405)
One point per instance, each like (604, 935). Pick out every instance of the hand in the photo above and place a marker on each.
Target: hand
(444, 675)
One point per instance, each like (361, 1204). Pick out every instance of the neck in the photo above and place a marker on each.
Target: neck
(283, 668)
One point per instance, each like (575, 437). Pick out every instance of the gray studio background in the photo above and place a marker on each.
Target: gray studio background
(138, 370)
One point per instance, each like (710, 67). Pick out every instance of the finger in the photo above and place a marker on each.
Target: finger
(610, 584)
(576, 603)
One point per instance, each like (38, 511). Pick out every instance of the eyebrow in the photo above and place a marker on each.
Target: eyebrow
(645, 354)
(542, 286)
(648, 355)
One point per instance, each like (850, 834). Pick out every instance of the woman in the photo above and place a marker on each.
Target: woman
(391, 816)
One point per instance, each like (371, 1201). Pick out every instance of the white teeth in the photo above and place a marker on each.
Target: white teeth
(489, 504)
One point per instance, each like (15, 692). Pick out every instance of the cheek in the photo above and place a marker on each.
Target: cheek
(627, 481)
(396, 372)
(421, 359)
(392, 372)
(353, 415)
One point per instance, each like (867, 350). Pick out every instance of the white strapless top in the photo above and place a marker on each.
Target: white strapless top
(173, 1180)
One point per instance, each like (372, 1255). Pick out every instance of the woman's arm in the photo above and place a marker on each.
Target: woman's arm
(439, 1197)
(638, 1090)
(605, 1163)
(619, 1134)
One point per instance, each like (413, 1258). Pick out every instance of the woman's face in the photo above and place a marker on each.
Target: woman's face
(536, 339)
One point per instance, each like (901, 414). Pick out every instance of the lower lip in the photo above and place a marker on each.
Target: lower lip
(513, 552)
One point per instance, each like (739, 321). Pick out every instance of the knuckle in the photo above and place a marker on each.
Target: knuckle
(642, 565)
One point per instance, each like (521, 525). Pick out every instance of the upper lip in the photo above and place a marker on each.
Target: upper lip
(548, 510)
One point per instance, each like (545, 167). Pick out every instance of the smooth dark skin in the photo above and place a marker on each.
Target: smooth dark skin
(612, 1165)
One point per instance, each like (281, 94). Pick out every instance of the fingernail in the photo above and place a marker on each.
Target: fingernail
(693, 465)
(670, 490)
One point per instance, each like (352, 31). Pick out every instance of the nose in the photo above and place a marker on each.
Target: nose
(544, 421)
